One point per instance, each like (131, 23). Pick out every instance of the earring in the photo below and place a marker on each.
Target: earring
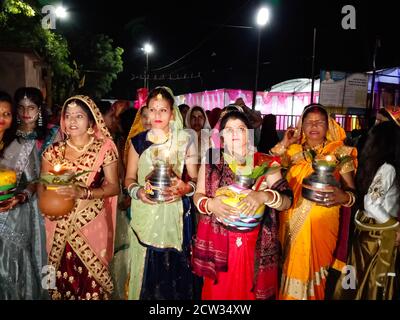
(90, 131)
(40, 119)
(18, 121)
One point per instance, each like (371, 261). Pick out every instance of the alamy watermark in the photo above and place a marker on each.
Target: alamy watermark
(349, 20)
(51, 14)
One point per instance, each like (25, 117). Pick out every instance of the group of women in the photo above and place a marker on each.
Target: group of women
(185, 247)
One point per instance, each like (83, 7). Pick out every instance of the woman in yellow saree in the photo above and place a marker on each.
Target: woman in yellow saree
(309, 232)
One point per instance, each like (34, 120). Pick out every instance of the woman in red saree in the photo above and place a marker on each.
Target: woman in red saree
(80, 245)
(236, 265)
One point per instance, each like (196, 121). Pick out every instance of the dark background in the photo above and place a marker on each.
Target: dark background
(206, 35)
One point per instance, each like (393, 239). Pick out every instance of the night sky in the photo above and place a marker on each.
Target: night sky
(215, 39)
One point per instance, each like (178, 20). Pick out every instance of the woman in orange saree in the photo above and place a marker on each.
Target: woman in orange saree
(309, 232)
(80, 245)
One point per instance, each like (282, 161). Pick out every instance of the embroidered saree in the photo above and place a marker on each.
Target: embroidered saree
(81, 245)
(22, 233)
(308, 232)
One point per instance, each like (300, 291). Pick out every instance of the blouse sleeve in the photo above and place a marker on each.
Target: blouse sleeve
(110, 157)
(48, 153)
(374, 200)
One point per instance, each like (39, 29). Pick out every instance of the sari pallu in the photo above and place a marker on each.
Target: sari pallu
(212, 251)
(311, 236)
(80, 246)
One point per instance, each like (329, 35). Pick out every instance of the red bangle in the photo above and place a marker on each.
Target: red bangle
(202, 206)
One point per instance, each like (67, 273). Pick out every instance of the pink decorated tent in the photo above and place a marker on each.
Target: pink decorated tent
(285, 98)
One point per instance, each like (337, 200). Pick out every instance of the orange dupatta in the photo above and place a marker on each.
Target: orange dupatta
(309, 232)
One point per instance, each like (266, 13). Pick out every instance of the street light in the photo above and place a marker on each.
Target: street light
(147, 48)
(262, 18)
(61, 12)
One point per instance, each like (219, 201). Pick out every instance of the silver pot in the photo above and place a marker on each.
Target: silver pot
(159, 179)
(244, 181)
(321, 180)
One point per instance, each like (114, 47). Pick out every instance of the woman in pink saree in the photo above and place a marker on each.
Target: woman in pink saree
(80, 245)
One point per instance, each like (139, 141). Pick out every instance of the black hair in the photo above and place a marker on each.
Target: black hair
(84, 107)
(9, 134)
(36, 96)
(198, 108)
(126, 120)
(315, 107)
(381, 146)
(142, 109)
(164, 93)
(235, 115)
(104, 106)
(183, 106)
(269, 136)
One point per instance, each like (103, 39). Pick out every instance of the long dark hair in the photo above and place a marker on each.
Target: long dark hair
(9, 134)
(35, 95)
(382, 146)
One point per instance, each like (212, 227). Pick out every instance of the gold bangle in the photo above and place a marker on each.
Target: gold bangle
(352, 200)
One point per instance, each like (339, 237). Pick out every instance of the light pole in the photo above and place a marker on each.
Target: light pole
(147, 48)
(262, 19)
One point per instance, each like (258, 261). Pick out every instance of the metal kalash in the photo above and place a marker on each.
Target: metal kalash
(158, 180)
(321, 180)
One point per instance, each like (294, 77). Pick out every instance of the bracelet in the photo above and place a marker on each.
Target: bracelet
(134, 192)
(22, 197)
(276, 202)
(206, 207)
(133, 184)
(351, 201)
(190, 194)
(85, 193)
(200, 205)
(274, 193)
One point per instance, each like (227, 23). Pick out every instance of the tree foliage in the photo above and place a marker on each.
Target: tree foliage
(21, 28)
(100, 63)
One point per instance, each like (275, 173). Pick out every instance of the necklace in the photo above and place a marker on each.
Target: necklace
(80, 148)
(315, 148)
(158, 137)
(32, 135)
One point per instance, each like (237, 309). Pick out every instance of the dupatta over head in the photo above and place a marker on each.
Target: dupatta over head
(314, 238)
(90, 227)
